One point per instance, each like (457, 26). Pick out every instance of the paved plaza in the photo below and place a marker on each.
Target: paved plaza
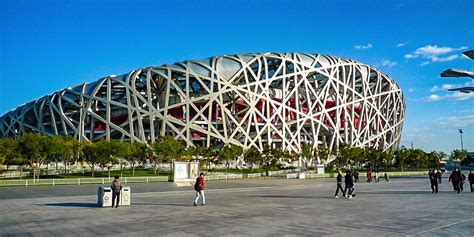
(263, 207)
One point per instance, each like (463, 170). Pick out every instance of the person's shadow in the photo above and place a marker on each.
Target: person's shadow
(73, 204)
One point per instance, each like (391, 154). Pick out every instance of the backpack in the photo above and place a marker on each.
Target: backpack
(197, 185)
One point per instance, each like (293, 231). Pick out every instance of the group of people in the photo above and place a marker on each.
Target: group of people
(377, 176)
(457, 179)
(349, 180)
(116, 187)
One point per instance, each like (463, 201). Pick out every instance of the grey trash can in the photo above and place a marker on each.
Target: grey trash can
(125, 196)
(104, 197)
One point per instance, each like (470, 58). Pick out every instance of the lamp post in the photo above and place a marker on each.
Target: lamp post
(460, 132)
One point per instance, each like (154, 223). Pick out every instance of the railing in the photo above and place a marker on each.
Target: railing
(79, 181)
(222, 177)
(283, 173)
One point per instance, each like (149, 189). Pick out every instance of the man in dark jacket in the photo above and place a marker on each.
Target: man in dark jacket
(438, 175)
(470, 178)
(461, 183)
(199, 188)
(434, 182)
(455, 178)
(116, 187)
(339, 185)
(349, 181)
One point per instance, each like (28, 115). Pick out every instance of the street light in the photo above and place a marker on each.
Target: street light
(460, 132)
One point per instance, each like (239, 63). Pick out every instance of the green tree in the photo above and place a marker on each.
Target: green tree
(68, 151)
(122, 151)
(343, 154)
(10, 154)
(387, 158)
(418, 158)
(457, 155)
(307, 153)
(209, 156)
(167, 149)
(401, 155)
(271, 157)
(35, 148)
(229, 152)
(322, 153)
(87, 155)
(253, 156)
(137, 152)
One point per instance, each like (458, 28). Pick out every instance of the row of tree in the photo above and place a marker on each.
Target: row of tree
(33, 150)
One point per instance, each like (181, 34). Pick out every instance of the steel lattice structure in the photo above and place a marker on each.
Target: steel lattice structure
(246, 99)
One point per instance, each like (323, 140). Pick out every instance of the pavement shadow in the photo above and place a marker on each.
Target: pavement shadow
(163, 204)
(73, 204)
(283, 196)
(407, 192)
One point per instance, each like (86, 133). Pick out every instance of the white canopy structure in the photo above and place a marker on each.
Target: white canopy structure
(277, 99)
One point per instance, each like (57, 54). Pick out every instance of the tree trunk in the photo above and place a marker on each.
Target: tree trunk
(133, 169)
(65, 169)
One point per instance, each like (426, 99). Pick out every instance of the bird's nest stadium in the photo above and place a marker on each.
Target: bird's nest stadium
(277, 99)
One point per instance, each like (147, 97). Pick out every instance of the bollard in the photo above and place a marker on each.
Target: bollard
(26, 183)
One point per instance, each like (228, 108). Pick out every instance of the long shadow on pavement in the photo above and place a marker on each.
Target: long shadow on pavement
(406, 192)
(73, 204)
(163, 204)
(283, 196)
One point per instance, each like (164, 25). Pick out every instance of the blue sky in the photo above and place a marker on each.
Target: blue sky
(49, 45)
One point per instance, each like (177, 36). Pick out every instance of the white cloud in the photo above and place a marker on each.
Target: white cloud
(424, 63)
(466, 111)
(452, 96)
(433, 97)
(444, 59)
(459, 96)
(430, 50)
(435, 53)
(443, 87)
(411, 56)
(362, 47)
(399, 45)
(388, 63)
(455, 121)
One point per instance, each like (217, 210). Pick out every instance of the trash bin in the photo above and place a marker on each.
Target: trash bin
(125, 197)
(104, 197)
(301, 176)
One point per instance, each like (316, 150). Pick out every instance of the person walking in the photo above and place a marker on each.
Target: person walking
(116, 187)
(438, 175)
(349, 184)
(433, 181)
(455, 178)
(356, 177)
(339, 185)
(470, 178)
(369, 176)
(461, 183)
(199, 188)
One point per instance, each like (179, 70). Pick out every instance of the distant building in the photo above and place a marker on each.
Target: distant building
(247, 99)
